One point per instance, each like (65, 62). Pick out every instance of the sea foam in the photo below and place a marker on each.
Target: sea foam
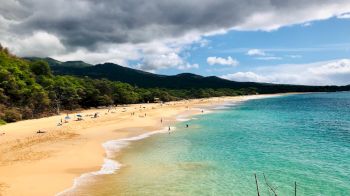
(109, 166)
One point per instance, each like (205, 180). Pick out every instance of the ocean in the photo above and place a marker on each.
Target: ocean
(302, 138)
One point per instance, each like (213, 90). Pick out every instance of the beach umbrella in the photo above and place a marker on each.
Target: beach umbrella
(67, 117)
(79, 115)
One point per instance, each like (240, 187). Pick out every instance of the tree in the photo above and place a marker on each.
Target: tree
(40, 68)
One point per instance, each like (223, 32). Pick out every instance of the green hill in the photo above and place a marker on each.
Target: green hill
(143, 79)
(55, 63)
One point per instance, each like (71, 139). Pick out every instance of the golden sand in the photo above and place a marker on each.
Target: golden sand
(38, 164)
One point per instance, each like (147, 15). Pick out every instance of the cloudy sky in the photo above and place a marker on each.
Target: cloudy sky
(279, 41)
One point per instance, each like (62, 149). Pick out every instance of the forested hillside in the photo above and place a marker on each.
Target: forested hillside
(28, 89)
(182, 81)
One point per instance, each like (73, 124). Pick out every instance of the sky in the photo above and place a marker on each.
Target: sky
(276, 41)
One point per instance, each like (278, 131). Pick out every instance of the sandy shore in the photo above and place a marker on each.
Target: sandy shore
(47, 163)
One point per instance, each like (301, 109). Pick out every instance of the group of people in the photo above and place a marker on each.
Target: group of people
(60, 123)
(169, 128)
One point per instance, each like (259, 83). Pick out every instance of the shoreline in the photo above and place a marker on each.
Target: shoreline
(115, 146)
(64, 144)
(109, 166)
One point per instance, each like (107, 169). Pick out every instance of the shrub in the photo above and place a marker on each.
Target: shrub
(2, 122)
(12, 115)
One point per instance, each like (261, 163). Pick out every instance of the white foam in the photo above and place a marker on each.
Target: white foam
(221, 107)
(182, 118)
(109, 166)
(251, 97)
(203, 111)
(226, 105)
(229, 104)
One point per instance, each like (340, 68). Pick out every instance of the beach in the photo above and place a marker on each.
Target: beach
(47, 163)
(174, 98)
(283, 140)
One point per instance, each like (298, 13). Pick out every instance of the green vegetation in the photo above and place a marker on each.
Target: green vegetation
(2, 122)
(29, 89)
(184, 81)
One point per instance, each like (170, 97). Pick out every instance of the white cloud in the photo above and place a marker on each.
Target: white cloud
(163, 54)
(120, 54)
(188, 66)
(338, 67)
(203, 43)
(245, 76)
(276, 18)
(153, 56)
(41, 44)
(262, 55)
(344, 16)
(267, 58)
(307, 24)
(335, 72)
(256, 52)
(103, 24)
(277, 78)
(161, 61)
(294, 56)
(222, 61)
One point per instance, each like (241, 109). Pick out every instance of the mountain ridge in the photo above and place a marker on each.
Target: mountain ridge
(135, 77)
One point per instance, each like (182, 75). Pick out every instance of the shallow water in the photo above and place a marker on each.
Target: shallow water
(303, 138)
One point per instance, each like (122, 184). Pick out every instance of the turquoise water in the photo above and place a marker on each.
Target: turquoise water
(303, 138)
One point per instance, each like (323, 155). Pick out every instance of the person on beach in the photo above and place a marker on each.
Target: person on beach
(161, 120)
(40, 131)
(169, 130)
